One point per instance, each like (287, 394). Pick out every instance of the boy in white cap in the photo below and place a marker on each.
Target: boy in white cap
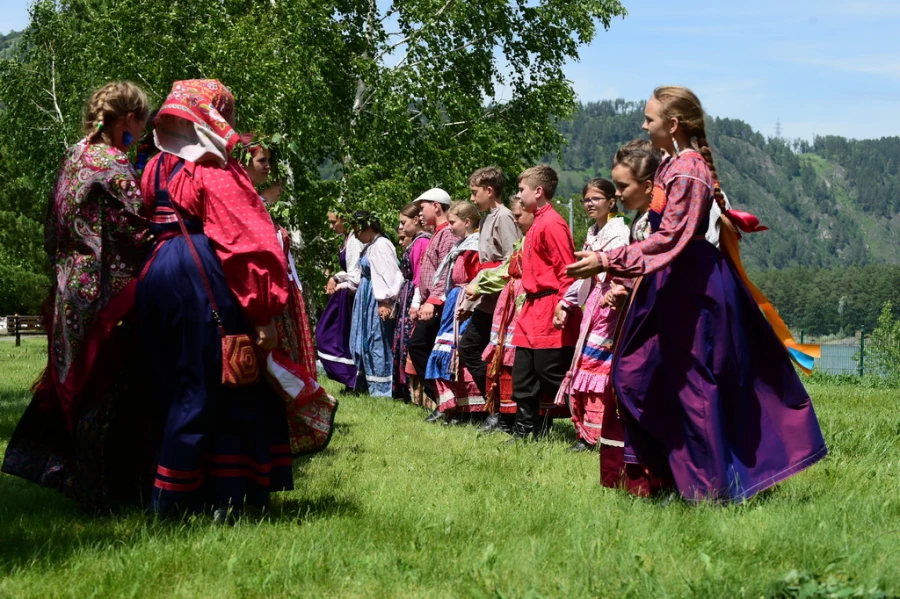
(434, 204)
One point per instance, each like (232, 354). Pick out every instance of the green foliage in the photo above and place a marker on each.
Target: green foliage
(397, 96)
(24, 279)
(830, 301)
(398, 508)
(21, 291)
(883, 346)
(9, 44)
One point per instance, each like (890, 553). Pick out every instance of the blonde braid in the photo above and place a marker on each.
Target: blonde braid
(706, 152)
(111, 102)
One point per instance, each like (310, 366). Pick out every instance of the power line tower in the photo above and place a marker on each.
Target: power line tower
(778, 129)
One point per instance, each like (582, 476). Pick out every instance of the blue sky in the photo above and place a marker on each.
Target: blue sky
(821, 67)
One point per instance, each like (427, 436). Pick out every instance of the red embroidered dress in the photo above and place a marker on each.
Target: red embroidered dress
(291, 369)
(220, 446)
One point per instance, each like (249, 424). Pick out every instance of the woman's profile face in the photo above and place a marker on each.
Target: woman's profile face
(523, 219)
(411, 226)
(260, 166)
(336, 224)
(655, 125)
(635, 195)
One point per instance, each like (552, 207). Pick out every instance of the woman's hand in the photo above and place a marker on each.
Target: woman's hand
(267, 336)
(331, 286)
(426, 312)
(462, 314)
(472, 292)
(560, 316)
(615, 297)
(413, 313)
(587, 267)
(384, 309)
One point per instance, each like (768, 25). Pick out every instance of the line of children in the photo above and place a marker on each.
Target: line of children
(666, 366)
(708, 397)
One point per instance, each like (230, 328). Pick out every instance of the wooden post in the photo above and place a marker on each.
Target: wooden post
(18, 330)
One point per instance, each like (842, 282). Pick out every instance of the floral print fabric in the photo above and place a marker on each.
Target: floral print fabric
(95, 239)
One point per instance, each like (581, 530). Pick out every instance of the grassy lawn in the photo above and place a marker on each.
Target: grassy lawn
(396, 507)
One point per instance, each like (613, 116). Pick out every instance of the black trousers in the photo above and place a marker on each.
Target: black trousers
(537, 372)
(471, 347)
(420, 345)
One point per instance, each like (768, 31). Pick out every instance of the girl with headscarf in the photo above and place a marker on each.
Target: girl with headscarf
(291, 366)
(220, 445)
(76, 435)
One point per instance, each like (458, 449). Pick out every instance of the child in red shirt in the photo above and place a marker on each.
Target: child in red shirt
(543, 352)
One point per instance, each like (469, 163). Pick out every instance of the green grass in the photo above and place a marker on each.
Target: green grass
(396, 507)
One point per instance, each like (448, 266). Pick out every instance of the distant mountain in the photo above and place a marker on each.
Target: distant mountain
(832, 203)
(8, 43)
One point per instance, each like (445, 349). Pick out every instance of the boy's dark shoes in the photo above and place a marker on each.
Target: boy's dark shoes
(434, 416)
(579, 446)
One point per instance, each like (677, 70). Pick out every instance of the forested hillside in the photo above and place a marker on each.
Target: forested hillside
(8, 43)
(832, 203)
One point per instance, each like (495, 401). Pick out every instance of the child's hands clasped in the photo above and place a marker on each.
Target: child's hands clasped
(560, 316)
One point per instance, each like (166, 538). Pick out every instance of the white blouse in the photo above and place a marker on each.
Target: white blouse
(387, 279)
(349, 279)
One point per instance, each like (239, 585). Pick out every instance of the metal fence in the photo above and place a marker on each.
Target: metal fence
(842, 354)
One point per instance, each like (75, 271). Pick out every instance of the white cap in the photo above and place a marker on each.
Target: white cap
(435, 194)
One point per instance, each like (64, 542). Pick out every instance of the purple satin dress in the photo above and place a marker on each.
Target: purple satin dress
(707, 393)
(333, 335)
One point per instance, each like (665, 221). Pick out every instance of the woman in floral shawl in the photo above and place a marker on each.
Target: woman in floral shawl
(77, 434)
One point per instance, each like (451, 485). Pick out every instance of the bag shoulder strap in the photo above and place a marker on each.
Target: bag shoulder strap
(187, 238)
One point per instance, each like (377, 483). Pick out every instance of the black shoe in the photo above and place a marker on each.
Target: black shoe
(224, 516)
(452, 421)
(349, 392)
(543, 429)
(434, 416)
(580, 445)
(491, 424)
(516, 439)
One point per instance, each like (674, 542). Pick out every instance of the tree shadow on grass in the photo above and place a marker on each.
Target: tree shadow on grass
(39, 526)
(11, 411)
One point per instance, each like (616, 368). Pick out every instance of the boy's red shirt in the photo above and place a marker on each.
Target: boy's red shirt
(548, 249)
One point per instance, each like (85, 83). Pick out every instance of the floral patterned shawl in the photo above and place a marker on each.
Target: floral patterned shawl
(95, 239)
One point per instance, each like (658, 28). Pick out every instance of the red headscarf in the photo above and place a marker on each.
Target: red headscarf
(193, 121)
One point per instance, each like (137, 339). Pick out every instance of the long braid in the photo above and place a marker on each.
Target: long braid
(683, 104)
(706, 152)
(111, 102)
